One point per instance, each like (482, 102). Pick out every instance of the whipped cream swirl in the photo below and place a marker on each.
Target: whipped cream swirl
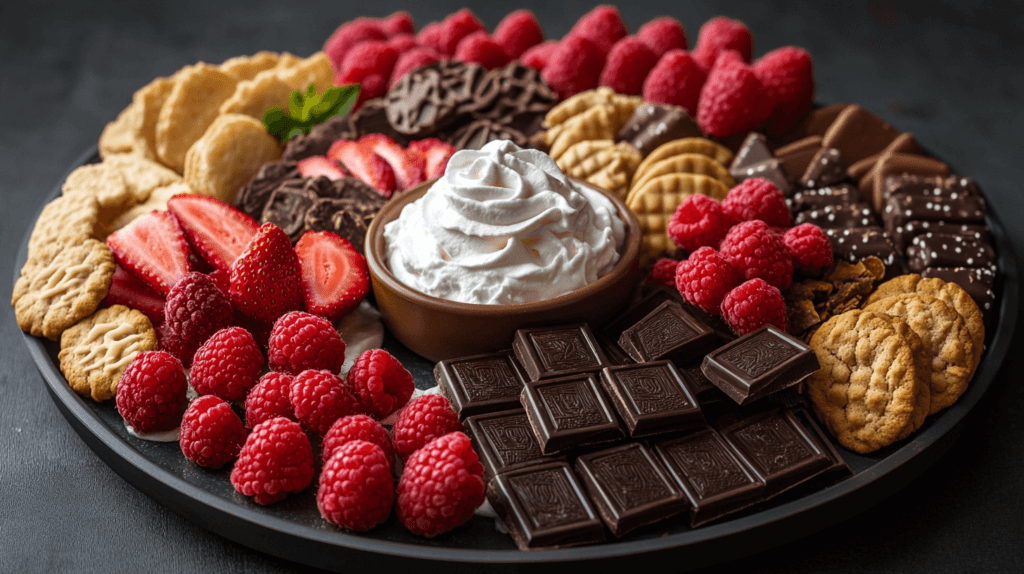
(504, 225)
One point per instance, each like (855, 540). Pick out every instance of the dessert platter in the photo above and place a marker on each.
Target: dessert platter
(448, 297)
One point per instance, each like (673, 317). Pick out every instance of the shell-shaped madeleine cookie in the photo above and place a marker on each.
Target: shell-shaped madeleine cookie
(700, 146)
(95, 351)
(687, 163)
(228, 155)
(191, 107)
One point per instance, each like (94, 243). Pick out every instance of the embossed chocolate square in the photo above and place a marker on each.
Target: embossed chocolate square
(570, 412)
(667, 332)
(546, 352)
(629, 487)
(481, 383)
(698, 382)
(545, 506)
(652, 398)
(504, 440)
(759, 363)
(711, 473)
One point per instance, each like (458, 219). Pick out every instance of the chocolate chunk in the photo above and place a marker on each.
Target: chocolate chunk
(504, 441)
(710, 473)
(977, 282)
(638, 310)
(826, 168)
(904, 234)
(652, 125)
(254, 196)
(759, 363)
(700, 384)
(652, 398)
(319, 139)
(754, 151)
(850, 215)
(900, 209)
(872, 184)
(546, 352)
(514, 96)
(943, 250)
(287, 209)
(839, 469)
(722, 329)
(570, 412)
(417, 105)
(545, 507)
(797, 156)
(342, 217)
(629, 487)
(612, 350)
(858, 133)
(851, 244)
(352, 188)
(478, 133)
(777, 447)
(667, 332)
(808, 199)
(481, 383)
(372, 118)
(769, 169)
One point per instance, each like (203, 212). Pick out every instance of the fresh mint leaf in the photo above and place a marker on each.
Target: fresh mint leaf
(306, 110)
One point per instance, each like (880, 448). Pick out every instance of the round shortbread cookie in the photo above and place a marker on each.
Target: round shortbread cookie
(95, 351)
(955, 296)
(922, 366)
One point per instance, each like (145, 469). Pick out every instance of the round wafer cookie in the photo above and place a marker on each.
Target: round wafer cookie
(658, 199)
(701, 146)
(685, 163)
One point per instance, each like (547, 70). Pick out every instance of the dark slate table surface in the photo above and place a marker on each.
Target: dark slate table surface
(949, 72)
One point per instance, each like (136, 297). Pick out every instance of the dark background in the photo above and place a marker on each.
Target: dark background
(949, 73)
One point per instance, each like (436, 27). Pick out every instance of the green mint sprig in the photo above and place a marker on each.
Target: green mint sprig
(309, 109)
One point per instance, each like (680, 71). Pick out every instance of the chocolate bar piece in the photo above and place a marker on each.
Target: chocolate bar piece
(710, 473)
(977, 282)
(852, 244)
(778, 449)
(850, 215)
(700, 384)
(826, 168)
(504, 441)
(840, 194)
(839, 469)
(952, 187)
(797, 156)
(481, 383)
(629, 487)
(546, 352)
(614, 328)
(667, 332)
(652, 398)
(942, 250)
(899, 209)
(652, 125)
(545, 507)
(904, 234)
(570, 412)
(759, 363)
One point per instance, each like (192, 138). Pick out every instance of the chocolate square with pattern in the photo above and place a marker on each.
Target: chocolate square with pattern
(710, 473)
(839, 469)
(649, 302)
(943, 250)
(904, 234)
(546, 352)
(481, 383)
(899, 209)
(545, 506)
(652, 398)
(839, 194)
(848, 215)
(629, 487)
(570, 412)
(504, 440)
(698, 382)
(977, 282)
(759, 363)
(851, 244)
(667, 332)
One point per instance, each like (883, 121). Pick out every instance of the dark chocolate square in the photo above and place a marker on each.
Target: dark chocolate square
(546, 352)
(570, 412)
(652, 398)
(667, 332)
(759, 363)
(504, 440)
(481, 383)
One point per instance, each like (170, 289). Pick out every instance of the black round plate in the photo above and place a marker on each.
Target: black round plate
(294, 530)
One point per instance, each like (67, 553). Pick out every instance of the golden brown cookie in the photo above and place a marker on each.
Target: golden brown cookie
(141, 176)
(118, 136)
(866, 388)
(157, 201)
(597, 123)
(190, 108)
(228, 155)
(658, 199)
(685, 163)
(922, 367)
(246, 67)
(700, 146)
(95, 351)
(149, 100)
(101, 181)
(69, 218)
(60, 285)
(944, 330)
(602, 163)
(584, 101)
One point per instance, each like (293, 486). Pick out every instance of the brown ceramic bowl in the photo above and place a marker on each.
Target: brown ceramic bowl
(440, 329)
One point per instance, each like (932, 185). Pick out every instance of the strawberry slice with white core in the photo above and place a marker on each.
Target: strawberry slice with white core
(318, 165)
(154, 249)
(408, 165)
(335, 278)
(435, 154)
(128, 290)
(216, 230)
(364, 164)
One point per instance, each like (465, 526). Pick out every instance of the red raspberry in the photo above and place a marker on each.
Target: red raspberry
(788, 78)
(753, 305)
(518, 32)
(757, 198)
(370, 64)
(757, 251)
(398, 23)
(720, 34)
(358, 427)
(380, 382)
(628, 64)
(227, 365)
(603, 26)
(733, 101)
(195, 309)
(276, 459)
(452, 30)
(411, 60)
(402, 43)
(430, 36)
(705, 277)
(675, 80)
(421, 421)
(574, 66)
(356, 487)
(211, 433)
(663, 34)
(349, 35)
(151, 392)
(301, 341)
(538, 56)
(480, 48)
(809, 247)
(269, 399)
(441, 485)
(663, 273)
(320, 398)
(698, 221)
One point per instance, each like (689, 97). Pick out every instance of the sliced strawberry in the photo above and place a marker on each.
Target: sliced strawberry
(126, 289)
(321, 165)
(364, 164)
(334, 275)
(216, 230)
(435, 154)
(407, 165)
(265, 279)
(153, 248)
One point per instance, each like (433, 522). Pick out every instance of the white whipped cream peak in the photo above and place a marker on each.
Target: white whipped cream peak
(504, 225)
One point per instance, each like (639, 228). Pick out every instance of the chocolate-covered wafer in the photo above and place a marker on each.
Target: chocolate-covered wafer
(287, 208)
(872, 184)
(546, 352)
(481, 383)
(851, 215)
(514, 96)
(797, 156)
(820, 119)
(903, 143)
(319, 139)
(652, 125)
(899, 209)
(667, 332)
(504, 441)
(759, 363)
(253, 197)
(808, 199)
(952, 187)
(570, 412)
(904, 234)
(651, 398)
(851, 244)
(944, 250)
(826, 168)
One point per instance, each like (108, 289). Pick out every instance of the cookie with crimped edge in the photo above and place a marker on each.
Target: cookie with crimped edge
(584, 101)
(190, 108)
(60, 285)
(922, 366)
(866, 389)
(602, 163)
(701, 146)
(685, 163)
(944, 330)
(658, 199)
(228, 155)
(597, 123)
(95, 351)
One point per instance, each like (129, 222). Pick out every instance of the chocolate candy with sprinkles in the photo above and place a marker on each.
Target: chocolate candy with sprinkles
(808, 199)
(852, 215)
(943, 250)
